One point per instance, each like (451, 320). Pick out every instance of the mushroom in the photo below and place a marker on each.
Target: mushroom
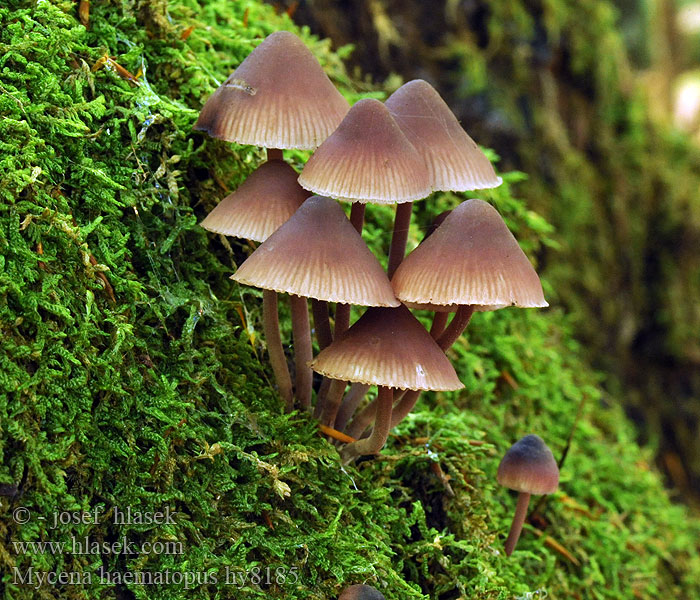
(318, 254)
(471, 262)
(366, 159)
(263, 202)
(357, 392)
(361, 592)
(454, 160)
(278, 97)
(8, 489)
(455, 163)
(528, 468)
(389, 348)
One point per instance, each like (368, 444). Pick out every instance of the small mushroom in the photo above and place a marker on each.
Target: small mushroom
(266, 200)
(528, 468)
(389, 348)
(8, 489)
(263, 203)
(357, 392)
(454, 160)
(471, 262)
(367, 159)
(278, 97)
(361, 592)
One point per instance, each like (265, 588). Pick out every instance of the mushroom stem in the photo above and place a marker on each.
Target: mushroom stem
(382, 423)
(328, 403)
(322, 324)
(350, 403)
(301, 332)
(518, 520)
(342, 319)
(323, 390)
(402, 220)
(274, 348)
(364, 419)
(324, 336)
(275, 154)
(404, 406)
(439, 324)
(357, 216)
(332, 402)
(456, 327)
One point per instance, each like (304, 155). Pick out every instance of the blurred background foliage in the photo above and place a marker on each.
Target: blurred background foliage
(599, 103)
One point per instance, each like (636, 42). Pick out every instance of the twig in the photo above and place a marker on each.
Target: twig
(334, 433)
(557, 547)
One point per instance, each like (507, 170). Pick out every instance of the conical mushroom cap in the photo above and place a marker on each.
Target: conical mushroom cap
(278, 97)
(361, 592)
(318, 254)
(472, 258)
(266, 200)
(529, 467)
(454, 160)
(367, 159)
(389, 347)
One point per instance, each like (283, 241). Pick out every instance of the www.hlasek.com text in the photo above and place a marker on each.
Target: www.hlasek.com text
(256, 576)
(86, 545)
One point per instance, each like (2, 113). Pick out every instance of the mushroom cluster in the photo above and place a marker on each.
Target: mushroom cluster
(395, 152)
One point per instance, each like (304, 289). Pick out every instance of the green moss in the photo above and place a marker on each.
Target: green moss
(145, 388)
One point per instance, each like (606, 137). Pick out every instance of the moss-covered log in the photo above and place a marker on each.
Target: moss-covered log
(133, 376)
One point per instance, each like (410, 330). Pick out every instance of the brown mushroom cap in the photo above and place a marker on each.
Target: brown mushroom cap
(263, 202)
(529, 467)
(454, 160)
(278, 97)
(317, 253)
(388, 347)
(472, 258)
(361, 592)
(367, 159)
